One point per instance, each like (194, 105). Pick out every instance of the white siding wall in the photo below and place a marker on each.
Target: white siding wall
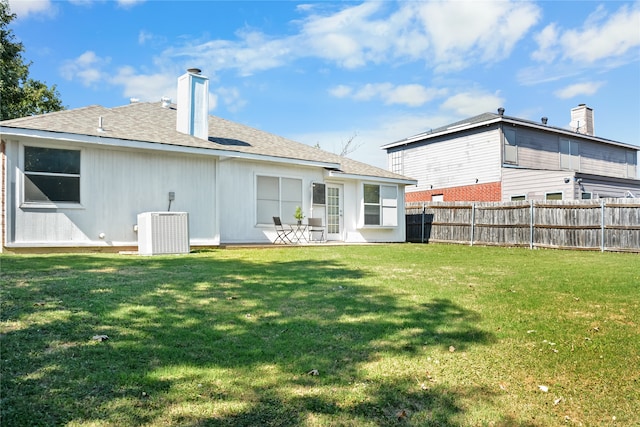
(455, 161)
(219, 195)
(534, 184)
(238, 223)
(115, 187)
(238, 212)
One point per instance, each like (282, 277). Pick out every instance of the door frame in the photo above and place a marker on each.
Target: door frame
(339, 235)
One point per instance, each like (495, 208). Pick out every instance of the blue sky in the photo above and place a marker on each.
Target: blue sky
(325, 72)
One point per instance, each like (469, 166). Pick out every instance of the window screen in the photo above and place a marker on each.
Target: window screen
(51, 175)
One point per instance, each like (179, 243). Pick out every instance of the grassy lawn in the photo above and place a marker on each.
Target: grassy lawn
(322, 336)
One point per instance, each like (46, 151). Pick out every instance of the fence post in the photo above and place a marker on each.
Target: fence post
(531, 222)
(422, 224)
(473, 221)
(602, 224)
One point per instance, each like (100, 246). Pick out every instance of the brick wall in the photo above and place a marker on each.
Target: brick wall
(490, 192)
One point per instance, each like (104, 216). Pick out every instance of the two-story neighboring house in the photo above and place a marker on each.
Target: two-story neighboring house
(494, 157)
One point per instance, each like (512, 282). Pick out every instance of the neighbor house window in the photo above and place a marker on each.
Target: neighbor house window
(553, 196)
(518, 198)
(569, 154)
(51, 175)
(277, 196)
(631, 164)
(586, 196)
(510, 147)
(395, 162)
(380, 205)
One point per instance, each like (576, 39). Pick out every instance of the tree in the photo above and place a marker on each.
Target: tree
(349, 146)
(20, 95)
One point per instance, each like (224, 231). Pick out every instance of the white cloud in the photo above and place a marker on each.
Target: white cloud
(129, 3)
(87, 68)
(412, 95)
(121, 3)
(445, 36)
(603, 36)
(340, 91)
(463, 33)
(231, 98)
(24, 8)
(586, 88)
(466, 104)
(547, 44)
(146, 87)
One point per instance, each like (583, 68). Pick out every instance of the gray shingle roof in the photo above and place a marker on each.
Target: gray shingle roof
(150, 122)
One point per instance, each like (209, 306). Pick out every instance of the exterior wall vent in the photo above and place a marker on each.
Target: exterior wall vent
(163, 233)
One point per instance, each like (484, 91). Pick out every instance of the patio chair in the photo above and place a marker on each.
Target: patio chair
(282, 232)
(315, 226)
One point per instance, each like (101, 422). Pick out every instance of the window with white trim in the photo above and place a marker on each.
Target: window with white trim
(553, 196)
(510, 147)
(51, 175)
(395, 162)
(276, 196)
(380, 205)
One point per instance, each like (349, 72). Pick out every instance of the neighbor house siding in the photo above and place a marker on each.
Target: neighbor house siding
(537, 150)
(603, 160)
(534, 184)
(455, 161)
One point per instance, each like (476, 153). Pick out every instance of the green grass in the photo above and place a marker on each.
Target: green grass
(399, 334)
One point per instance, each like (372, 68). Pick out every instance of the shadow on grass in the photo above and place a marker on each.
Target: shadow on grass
(205, 341)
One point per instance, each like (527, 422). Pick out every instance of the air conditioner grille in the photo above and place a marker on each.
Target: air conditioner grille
(163, 233)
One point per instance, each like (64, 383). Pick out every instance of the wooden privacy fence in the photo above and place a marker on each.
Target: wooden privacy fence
(604, 225)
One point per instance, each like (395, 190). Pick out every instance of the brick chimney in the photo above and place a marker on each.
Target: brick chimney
(193, 104)
(582, 119)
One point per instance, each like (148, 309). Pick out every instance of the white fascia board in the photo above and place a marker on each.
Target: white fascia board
(338, 174)
(157, 146)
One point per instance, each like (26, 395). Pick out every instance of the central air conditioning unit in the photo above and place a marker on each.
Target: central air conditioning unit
(163, 233)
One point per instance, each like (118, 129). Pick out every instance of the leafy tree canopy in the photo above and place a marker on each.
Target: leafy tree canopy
(20, 95)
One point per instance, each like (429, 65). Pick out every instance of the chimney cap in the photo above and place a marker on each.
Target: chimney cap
(194, 70)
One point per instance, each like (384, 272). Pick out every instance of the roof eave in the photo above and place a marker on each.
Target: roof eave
(342, 175)
(158, 146)
(426, 135)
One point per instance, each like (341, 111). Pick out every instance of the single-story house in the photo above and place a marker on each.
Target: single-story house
(494, 157)
(80, 178)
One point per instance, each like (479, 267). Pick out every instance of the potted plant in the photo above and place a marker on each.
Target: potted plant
(298, 215)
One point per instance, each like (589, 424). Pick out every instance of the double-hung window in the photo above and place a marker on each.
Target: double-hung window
(51, 175)
(380, 205)
(276, 196)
